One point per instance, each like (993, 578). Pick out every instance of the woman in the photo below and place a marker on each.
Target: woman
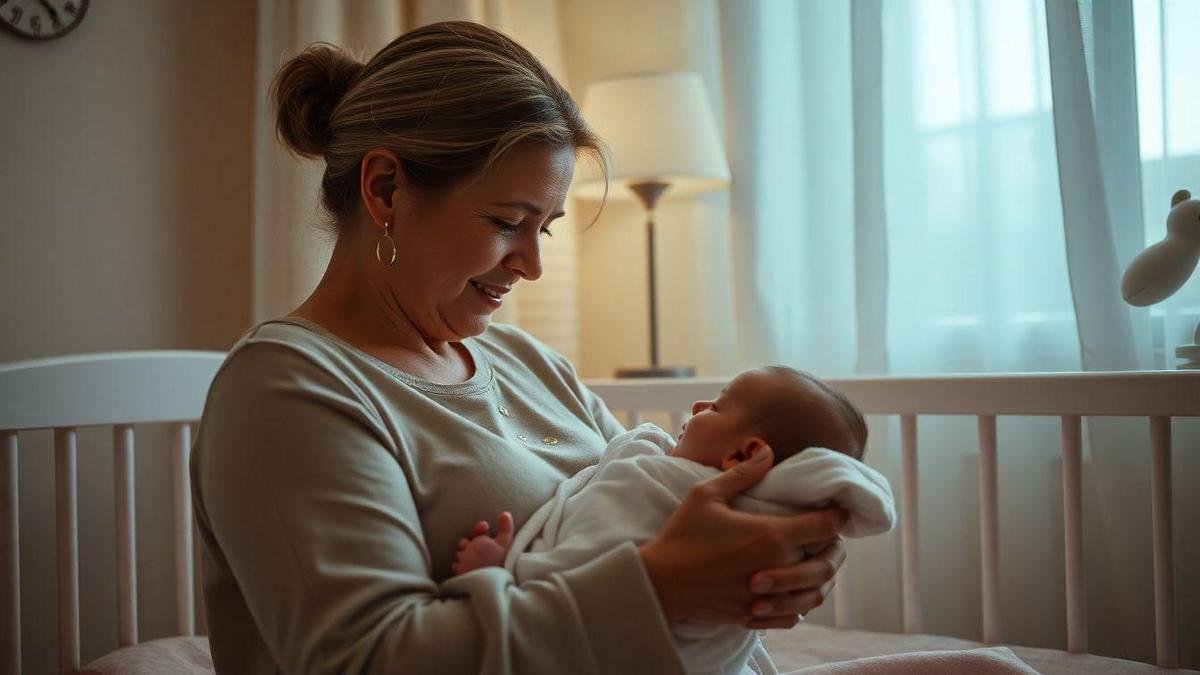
(346, 447)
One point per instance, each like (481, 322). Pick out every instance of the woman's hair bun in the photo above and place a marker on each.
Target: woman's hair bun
(306, 90)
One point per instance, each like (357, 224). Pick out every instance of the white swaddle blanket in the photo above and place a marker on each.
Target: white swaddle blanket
(636, 486)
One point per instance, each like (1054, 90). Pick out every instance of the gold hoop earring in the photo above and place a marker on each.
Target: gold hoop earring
(387, 236)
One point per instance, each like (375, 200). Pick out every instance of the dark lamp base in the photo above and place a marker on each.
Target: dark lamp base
(672, 371)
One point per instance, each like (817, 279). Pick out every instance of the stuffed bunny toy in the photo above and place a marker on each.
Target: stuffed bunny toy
(1163, 268)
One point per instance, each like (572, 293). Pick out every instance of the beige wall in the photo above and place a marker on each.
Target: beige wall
(127, 141)
(549, 309)
(124, 224)
(692, 243)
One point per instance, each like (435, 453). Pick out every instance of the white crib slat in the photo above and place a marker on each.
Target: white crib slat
(1164, 561)
(989, 529)
(10, 558)
(910, 595)
(66, 515)
(1072, 450)
(841, 602)
(181, 442)
(676, 423)
(126, 537)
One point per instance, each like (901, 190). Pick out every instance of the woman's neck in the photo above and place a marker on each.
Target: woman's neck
(357, 308)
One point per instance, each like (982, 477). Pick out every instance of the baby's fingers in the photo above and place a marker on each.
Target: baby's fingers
(504, 526)
(481, 527)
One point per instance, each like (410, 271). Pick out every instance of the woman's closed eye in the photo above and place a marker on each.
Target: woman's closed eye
(512, 228)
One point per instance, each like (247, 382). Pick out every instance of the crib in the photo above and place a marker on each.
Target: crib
(123, 389)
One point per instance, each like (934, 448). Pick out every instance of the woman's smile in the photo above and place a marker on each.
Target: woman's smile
(492, 296)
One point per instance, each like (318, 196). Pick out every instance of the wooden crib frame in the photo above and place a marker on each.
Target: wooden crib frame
(120, 389)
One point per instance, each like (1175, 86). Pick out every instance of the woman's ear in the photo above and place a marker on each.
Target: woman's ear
(380, 178)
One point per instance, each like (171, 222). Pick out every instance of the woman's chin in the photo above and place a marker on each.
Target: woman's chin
(473, 324)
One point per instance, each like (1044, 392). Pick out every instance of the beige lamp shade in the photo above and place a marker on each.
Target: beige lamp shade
(658, 127)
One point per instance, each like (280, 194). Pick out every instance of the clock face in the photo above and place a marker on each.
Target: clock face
(42, 19)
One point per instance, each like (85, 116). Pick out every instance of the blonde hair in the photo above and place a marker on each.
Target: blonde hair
(449, 99)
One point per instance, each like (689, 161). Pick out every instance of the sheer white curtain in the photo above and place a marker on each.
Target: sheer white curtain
(1167, 104)
(929, 186)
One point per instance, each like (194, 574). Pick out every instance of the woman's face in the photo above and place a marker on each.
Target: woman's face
(461, 251)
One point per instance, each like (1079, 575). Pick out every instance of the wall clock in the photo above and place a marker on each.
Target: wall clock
(41, 19)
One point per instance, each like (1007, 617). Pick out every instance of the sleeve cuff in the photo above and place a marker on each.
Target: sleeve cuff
(621, 614)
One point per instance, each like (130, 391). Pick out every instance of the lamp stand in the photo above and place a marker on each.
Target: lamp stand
(649, 192)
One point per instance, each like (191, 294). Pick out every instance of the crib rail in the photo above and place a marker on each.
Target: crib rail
(1132, 394)
(1157, 395)
(117, 389)
(120, 390)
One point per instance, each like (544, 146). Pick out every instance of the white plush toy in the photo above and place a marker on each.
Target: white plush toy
(1163, 268)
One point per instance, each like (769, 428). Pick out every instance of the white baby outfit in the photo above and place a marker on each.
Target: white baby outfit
(636, 486)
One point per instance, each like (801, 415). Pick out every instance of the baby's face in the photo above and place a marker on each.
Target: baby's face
(719, 432)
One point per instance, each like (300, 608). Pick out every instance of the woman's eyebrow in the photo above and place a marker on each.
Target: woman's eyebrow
(528, 207)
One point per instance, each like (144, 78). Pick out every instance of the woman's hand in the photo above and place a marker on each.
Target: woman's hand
(712, 563)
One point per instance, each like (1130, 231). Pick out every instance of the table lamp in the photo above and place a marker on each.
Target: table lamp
(661, 134)
(1156, 273)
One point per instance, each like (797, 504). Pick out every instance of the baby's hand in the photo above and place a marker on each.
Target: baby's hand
(483, 550)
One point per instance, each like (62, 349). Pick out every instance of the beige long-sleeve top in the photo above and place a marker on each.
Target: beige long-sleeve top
(330, 490)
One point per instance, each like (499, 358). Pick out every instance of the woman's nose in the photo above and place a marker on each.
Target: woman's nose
(526, 260)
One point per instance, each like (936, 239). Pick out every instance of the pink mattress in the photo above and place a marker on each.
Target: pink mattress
(168, 656)
(812, 644)
(802, 647)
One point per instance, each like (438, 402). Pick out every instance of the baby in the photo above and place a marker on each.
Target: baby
(817, 437)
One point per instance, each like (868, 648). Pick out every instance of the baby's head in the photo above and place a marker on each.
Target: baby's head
(779, 406)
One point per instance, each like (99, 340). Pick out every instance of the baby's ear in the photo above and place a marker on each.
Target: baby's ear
(752, 445)
(746, 449)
